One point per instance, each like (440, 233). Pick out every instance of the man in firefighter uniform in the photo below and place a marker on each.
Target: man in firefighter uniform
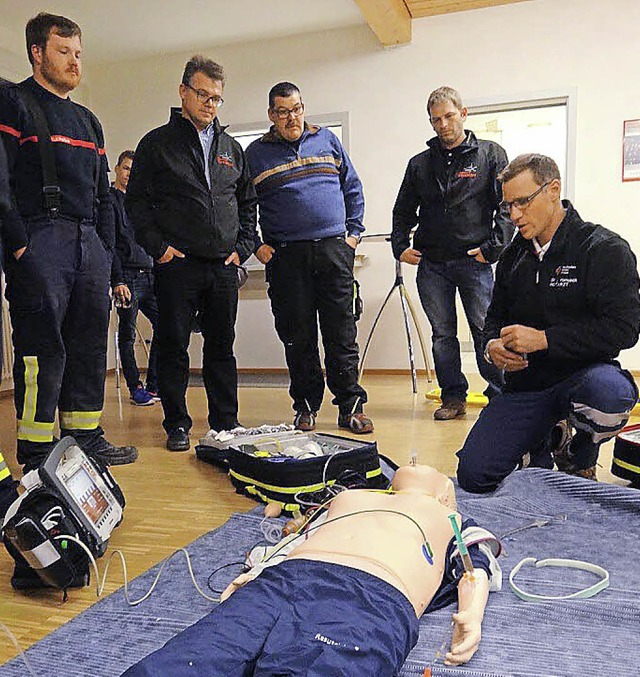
(58, 235)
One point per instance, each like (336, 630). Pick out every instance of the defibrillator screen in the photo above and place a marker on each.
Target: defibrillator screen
(87, 494)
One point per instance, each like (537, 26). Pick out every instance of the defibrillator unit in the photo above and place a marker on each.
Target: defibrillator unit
(626, 455)
(70, 494)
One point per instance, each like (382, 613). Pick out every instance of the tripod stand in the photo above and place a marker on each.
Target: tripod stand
(407, 309)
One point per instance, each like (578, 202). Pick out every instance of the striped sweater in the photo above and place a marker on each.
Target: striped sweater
(307, 190)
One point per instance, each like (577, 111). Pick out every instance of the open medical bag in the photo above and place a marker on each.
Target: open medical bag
(70, 495)
(292, 466)
(626, 454)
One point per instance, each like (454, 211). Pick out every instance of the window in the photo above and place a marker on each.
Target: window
(534, 126)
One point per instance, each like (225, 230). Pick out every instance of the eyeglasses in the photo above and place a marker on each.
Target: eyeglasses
(284, 113)
(205, 98)
(523, 202)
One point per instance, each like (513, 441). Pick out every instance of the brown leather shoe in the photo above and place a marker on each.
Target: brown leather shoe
(587, 473)
(449, 410)
(359, 423)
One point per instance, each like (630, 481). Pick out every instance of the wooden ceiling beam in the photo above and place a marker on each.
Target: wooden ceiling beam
(388, 19)
(424, 8)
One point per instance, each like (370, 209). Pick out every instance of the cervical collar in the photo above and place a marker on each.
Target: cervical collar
(573, 564)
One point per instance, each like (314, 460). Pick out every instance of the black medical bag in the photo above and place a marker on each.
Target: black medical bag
(261, 468)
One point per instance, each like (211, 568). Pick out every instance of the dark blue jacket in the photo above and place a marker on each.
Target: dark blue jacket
(454, 197)
(129, 257)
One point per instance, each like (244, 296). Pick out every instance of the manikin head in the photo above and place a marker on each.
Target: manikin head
(423, 479)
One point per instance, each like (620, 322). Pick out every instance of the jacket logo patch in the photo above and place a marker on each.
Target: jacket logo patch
(225, 159)
(469, 172)
(563, 277)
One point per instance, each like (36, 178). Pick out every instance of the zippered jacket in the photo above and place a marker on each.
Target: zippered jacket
(169, 201)
(584, 294)
(454, 198)
(308, 190)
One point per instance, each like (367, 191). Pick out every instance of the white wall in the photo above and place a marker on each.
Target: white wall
(530, 47)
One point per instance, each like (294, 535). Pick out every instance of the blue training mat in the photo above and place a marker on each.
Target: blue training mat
(520, 639)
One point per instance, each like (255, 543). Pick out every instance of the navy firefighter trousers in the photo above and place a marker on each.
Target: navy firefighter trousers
(58, 293)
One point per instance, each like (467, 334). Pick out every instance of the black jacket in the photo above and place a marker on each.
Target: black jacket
(584, 294)
(455, 205)
(129, 257)
(169, 200)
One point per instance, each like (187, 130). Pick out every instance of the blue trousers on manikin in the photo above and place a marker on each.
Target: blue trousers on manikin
(596, 401)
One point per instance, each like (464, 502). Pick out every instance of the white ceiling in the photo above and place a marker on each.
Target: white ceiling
(114, 30)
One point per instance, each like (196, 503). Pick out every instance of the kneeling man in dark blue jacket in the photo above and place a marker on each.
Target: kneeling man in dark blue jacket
(565, 303)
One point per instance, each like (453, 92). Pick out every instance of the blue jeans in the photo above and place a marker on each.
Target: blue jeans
(437, 284)
(596, 401)
(143, 299)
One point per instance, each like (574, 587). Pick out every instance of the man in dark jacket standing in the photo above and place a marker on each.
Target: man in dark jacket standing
(193, 207)
(132, 282)
(451, 191)
(565, 304)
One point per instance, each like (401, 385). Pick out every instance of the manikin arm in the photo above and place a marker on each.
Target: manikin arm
(467, 622)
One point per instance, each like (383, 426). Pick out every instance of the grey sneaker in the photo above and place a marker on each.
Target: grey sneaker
(561, 437)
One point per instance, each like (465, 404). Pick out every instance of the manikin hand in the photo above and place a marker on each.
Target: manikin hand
(411, 256)
(467, 632)
(237, 583)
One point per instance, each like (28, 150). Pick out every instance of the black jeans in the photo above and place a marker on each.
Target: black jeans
(184, 286)
(143, 298)
(312, 281)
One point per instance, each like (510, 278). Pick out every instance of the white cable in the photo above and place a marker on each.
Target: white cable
(101, 585)
(21, 652)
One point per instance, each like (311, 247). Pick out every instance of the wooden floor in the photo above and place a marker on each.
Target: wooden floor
(172, 498)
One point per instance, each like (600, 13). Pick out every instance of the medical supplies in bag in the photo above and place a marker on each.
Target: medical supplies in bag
(292, 467)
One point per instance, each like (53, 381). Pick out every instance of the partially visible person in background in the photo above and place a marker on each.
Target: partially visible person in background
(132, 283)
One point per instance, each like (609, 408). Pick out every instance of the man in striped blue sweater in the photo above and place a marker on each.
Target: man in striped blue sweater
(311, 210)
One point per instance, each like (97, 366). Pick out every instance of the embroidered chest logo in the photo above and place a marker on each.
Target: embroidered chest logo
(225, 159)
(563, 277)
(469, 172)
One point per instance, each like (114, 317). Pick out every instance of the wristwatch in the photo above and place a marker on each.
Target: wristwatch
(487, 355)
(356, 236)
